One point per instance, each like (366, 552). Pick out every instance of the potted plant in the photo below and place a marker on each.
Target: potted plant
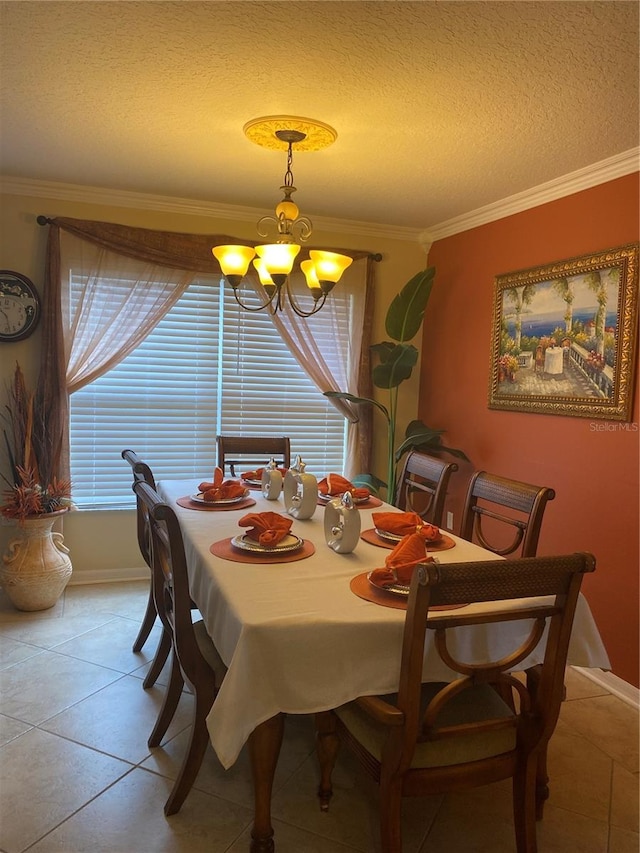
(36, 568)
(396, 360)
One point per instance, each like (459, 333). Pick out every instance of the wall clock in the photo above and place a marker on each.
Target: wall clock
(19, 306)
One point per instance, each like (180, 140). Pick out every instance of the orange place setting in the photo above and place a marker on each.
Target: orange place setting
(228, 551)
(268, 539)
(383, 539)
(253, 479)
(334, 486)
(389, 586)
(390, 528)
(361, 586)
(190, 502)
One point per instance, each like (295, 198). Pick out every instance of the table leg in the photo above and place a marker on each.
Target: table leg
(264, 749)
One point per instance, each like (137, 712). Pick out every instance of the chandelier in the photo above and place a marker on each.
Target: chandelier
(287, 228)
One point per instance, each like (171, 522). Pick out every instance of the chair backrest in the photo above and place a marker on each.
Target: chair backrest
(552, 584)
(423, 484)
(488, 496)
(141, 472)
(171, 583)
(235, 450)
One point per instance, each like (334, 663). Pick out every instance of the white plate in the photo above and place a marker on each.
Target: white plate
(327, 498)
(394, 537)
(198, 497)
(289, 543)
(394, 588)
(252, 482)
(390, 537)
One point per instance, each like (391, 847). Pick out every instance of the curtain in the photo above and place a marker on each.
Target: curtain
(82, 341)
(326, 368)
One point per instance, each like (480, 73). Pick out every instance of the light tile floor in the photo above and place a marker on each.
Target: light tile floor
(76, 774)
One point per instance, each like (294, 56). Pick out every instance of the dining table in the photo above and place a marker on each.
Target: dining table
(300, 633)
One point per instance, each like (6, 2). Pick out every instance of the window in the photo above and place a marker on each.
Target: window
(209, 367)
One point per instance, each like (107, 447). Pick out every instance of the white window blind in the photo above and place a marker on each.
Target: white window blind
(209, 367)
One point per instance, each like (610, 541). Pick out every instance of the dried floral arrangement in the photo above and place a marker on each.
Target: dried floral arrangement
(33, 488)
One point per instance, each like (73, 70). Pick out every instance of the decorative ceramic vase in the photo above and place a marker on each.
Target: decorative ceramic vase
(271, 481)
(342, 524)
(36, 567)
(300, 491)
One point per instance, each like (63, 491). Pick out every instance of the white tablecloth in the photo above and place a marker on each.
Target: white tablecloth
(297, 640)
(553, 360)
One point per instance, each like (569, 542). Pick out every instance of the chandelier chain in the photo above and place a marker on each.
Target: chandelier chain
(288, 175)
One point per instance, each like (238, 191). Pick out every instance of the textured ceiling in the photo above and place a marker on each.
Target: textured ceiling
(440, 107)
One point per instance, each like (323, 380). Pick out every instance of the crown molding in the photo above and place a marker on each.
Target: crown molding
(166, 204)
(582, 179)
(599, 173)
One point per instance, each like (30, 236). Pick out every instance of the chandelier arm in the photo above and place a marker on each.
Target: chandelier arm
(267, 220)
(318, 303)
(267, 304)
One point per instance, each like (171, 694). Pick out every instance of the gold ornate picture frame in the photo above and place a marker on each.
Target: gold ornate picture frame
(564, 337)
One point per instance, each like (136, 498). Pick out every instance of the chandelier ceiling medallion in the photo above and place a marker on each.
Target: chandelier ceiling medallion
(274, 261)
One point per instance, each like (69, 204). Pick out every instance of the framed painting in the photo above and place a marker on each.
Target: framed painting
(564, 337)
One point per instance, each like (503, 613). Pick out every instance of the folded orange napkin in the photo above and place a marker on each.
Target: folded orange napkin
(221, 489)
(257, 474)
(266, 528)
(336, 485)
(401, 562)
(403, 523)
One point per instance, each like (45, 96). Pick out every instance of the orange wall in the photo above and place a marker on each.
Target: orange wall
(594, 472)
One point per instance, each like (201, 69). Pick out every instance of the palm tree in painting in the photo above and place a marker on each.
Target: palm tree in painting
(520, 297)
(563, 288)
(595, 282)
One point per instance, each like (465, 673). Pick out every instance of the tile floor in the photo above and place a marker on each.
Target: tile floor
(76, 774)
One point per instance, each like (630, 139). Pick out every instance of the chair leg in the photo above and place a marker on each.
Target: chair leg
(147, 624)
(390, 815)
(198, 742)
(327, 744)
(169, 705)
(159, 659)
(542, 782)
(524, 805)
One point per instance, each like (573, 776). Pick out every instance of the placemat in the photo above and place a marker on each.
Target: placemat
(372, 538)
(225, 549)
(187, 503)
(372, 503)
(361, 587)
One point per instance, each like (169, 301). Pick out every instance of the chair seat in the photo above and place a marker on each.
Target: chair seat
(472, 705)
(209, 651)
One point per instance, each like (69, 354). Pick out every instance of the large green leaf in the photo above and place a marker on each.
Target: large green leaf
(398, 366)
(369, 481)
(419, 436)
(342, 395)
(406, 312)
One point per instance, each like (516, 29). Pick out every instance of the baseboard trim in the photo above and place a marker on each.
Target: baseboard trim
(613, 684)
(89, 576)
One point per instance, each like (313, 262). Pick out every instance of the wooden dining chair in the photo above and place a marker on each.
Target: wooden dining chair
(432, 738)
(494, 504)
(423, 484)
(142, 472)
(194, 658)
(251, 451)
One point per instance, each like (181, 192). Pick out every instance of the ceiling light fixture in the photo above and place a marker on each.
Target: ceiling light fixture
(274, 261)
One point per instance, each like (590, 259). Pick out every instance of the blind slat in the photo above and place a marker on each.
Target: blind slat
(189, 381)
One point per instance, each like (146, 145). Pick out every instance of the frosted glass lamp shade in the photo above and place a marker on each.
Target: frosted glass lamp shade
(234, 261)
(329, 267)
(309, 270)
(278, 257)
